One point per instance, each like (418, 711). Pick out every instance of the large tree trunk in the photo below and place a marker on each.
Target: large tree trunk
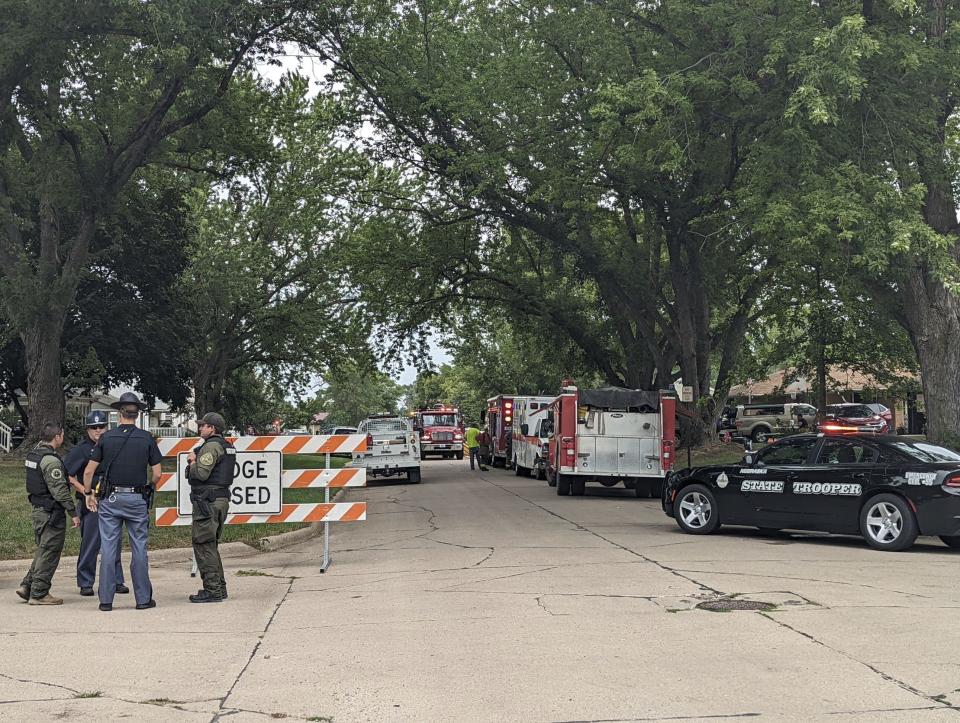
(933, 315)
(44, 390)
(931, 310)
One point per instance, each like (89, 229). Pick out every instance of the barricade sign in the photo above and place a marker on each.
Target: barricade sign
(259, 480)
(256, 483)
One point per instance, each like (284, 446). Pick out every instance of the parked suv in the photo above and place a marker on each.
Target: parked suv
(759, 421)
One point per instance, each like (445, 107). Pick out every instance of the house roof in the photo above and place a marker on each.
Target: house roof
(838, 378)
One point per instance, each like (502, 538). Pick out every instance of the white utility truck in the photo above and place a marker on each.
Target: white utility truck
(393, 448)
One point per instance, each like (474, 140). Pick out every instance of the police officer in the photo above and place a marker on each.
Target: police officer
(49, 494)
(75, 461)
(124, 498)
(210, 473)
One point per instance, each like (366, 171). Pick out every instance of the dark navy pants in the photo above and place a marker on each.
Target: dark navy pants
(130, 509)
(90, 548)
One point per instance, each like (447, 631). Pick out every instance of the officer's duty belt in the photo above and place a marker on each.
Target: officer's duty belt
(135, 490)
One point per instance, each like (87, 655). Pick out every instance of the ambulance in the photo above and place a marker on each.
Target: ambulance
(530, 446)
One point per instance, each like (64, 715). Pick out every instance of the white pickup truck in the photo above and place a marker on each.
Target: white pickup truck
(393, 448)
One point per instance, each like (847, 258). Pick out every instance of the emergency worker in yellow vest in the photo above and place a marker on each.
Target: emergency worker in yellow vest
(210, 473)
(48, 493)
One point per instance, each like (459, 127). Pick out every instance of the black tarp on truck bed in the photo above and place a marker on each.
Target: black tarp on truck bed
(620, 398)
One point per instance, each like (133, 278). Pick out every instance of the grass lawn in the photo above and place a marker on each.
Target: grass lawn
(717, 454)
(16, 534)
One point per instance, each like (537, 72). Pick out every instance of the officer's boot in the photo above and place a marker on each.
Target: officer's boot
(23, 592)
(47, 599)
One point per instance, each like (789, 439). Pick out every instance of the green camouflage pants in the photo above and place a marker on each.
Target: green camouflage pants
(50, 531)
(205, 534)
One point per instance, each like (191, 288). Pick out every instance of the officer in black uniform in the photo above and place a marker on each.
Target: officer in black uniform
(75, 461)
(210, 473)
(124, 499)
(49, 495)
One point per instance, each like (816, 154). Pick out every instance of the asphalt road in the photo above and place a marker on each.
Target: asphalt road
(485, 597)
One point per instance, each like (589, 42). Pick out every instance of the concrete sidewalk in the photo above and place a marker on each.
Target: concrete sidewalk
(485, 597)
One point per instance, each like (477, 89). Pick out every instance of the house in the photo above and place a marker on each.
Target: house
(161, 419)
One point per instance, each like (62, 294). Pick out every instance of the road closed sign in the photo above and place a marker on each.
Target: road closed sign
(256, 484)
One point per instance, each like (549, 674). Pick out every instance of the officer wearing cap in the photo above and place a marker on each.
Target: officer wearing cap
(210, 473)
(75, 461)
(49, 495)
(124, 499)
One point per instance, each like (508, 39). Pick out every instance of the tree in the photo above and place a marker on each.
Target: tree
(356, 389)
(90, 93)
(584, 164)
(875, 110)
(258, 286)
(125, 306)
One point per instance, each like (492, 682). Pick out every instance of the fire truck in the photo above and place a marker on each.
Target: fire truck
(530, 439)
(611, 435)
(441, 431)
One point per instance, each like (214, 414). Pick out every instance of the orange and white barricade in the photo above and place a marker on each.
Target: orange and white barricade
(325, 479)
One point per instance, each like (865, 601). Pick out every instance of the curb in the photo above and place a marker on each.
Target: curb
(286, 539)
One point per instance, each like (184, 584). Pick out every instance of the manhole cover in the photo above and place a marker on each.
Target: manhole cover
(727, 604)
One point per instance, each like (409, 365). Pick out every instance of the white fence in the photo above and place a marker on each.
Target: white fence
(6, 435)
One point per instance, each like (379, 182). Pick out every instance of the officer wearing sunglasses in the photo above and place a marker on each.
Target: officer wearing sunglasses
(75, 462)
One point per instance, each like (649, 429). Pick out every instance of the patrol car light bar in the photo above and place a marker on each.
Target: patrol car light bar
(842, 428)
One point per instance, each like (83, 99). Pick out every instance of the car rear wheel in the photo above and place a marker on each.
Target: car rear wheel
(541, 472)
(563, 484)
(460, 454)
(760, 435)
(951, 541)
(696, 510)
(888, 523)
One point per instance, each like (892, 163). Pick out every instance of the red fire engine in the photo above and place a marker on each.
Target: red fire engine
(611, 435)
(441, 431)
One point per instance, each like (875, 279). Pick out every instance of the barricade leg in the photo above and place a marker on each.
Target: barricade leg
(326, 528)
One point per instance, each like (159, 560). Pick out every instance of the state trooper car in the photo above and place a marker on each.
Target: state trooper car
(887, 488)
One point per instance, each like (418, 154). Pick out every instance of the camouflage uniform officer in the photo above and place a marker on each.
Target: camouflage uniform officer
(210, 473)
(49, 494)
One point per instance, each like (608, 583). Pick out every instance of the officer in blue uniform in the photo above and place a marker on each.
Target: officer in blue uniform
(124, 499)
(74, 462)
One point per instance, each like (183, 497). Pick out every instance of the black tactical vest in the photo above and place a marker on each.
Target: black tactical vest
(37, 491)
(222, 473)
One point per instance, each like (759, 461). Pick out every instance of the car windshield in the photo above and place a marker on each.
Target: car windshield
(439, 420)
(926, 452)
(851, 411)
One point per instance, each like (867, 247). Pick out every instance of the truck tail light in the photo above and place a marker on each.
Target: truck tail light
(369, 441)
(952, 480)
(666, 454)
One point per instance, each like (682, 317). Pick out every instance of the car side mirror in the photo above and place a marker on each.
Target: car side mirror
(749, 458)
(524, 429)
